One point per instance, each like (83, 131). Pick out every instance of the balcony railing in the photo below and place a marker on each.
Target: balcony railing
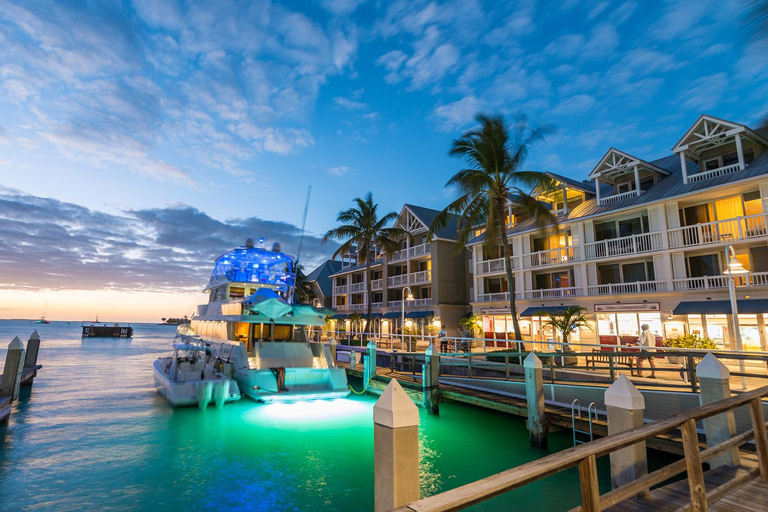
(617, 197)
(707, 282)
(356, 307)
(376, 284)
(720, 171)
(400, 280)
(340, 290)
(558, 256)
(342, 307)
(492, 266)
(376, 304)
(619, 288)
(423, 276)
(410, 303)
(357, 287)
(553, 293)
(721, 231)
(399, 255)
(625, 245)
(493, 297)
(411, 252)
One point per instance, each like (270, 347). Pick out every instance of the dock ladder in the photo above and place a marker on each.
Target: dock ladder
(576, 414)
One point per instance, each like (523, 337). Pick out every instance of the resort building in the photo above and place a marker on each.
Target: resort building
(321, 282)
(431, 276)
(642, 242)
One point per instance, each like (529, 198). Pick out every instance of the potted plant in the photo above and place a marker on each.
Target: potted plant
(690, 342)
(574, 317)
(410, 337)
(471, 324)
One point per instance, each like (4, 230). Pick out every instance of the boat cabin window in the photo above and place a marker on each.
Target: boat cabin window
(236, 292)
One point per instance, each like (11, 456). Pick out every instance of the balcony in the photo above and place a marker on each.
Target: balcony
(554, 293)
(714, 173)
(410, 303)
(492, 266)
(341, 307)
(496, 297)
(619, 288)
(357, 307)
(721, 231)
(559, 256)
(618, 197)
(411, 252)
(376, 284)
(632, 244)
(357, 287)
(340, 290)
(377, 304)
(708, 282)
(424, 276)
(400, 280)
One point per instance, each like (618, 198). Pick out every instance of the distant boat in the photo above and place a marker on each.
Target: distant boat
(42, 319)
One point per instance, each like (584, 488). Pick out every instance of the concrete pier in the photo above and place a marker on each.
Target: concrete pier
(534, 391)
(625, 406)
(714, 385)
(431, 380)
(396, 449)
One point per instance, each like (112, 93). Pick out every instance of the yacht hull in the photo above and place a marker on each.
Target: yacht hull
(300, 384)
(201, 392)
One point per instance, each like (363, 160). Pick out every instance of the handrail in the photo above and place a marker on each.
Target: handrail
(585, 455)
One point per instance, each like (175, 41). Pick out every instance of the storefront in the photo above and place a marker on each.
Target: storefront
(713, 319)
(498, 326)
(619, 324)
(534, 325)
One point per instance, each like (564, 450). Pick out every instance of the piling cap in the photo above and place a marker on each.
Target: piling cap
(711, 367)
(15, 344)
(431, 350)
(35, 335)
(532, 361)
(624, 395)
(394, 408)
(371, 345)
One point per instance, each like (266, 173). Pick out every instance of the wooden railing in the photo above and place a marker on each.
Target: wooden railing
(720, 171)
(585, 458)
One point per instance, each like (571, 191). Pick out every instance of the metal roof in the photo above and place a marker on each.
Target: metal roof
(427, 215)
(322, 276)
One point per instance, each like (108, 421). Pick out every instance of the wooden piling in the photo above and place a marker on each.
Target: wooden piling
(431, 380)
(534, 391)
(9, 385)
(715, 385)
(626, 406)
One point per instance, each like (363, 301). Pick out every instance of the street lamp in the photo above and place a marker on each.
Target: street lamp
(402, 313)
(735, 268)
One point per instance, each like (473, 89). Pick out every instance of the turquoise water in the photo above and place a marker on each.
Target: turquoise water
(93, 434)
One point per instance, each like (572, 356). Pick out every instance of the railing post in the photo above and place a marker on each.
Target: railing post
(612, 365)
(534, 392)
(691, 371)
(590, 488)
(431, 380)
(715, 385)
(761, 439)
(693, 466)
(626, 407)
(14, 364)
(395, 449)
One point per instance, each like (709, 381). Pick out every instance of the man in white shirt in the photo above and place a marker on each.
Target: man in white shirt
(647, 344)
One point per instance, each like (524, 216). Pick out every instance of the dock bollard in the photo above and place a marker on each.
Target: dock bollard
(715, 384)
(626, 408)
(534, 391)
(14, 364)
(430, 380)
(332, 346)
(369, 368)
(395, 448)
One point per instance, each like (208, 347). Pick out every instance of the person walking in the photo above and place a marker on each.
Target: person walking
(647, 344)
(443, 341)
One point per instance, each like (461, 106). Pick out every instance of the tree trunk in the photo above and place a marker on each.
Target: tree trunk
(511, 284)
(367, 294)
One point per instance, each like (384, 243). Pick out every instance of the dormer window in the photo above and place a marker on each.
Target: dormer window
(629, 176)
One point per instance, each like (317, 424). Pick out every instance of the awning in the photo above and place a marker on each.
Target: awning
(721, 307)
(339, 316)
(391, 314)
(375, 315)
(545, 310)
(419, 314)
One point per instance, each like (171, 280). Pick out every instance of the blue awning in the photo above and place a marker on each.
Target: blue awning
(721, 307)
(419, 314)
(339, 316)
(391, 314)
(544, 310)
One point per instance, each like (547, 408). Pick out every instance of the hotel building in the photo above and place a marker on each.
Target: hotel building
(434, 272)
(642, 242)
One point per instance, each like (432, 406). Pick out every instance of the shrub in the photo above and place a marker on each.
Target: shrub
(691, 341)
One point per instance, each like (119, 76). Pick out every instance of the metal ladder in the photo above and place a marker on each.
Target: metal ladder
(576, 414)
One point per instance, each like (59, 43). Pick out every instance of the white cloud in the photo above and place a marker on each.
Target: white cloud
(338, 171)
(705, 93)
(459, 113)
(349, 104)
(341, 7)
(577, 104)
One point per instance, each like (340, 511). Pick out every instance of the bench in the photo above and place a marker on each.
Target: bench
(619, 358)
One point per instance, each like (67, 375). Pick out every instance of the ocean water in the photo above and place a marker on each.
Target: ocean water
(93, 434)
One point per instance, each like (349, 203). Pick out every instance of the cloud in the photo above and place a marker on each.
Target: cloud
(161, 249)
(348, 104)
(705, 93)
(577, 104)
(459, 113)
(338, 171)
(341, 7)
(601, 41)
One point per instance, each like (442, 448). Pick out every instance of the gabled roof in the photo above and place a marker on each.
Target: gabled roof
(427, 215)
(322, 276)
(588, 187)
(616, 163)
(709, 131)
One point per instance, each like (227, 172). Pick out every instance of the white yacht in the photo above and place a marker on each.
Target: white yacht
(252, 323)
(192, 377)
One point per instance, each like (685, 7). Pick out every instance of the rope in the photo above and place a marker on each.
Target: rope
(357, 392)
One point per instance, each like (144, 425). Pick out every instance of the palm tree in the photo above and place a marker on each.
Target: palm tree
(574, 317)
(495, 154)
(303, 292)
(755, 27)
(363, 230)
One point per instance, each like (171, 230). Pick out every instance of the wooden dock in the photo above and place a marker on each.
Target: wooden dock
(26, 375)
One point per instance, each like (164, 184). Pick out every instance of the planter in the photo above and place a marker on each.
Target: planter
(674, 359)
(566, 359)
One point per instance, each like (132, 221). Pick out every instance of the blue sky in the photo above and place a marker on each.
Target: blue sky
(230, 109)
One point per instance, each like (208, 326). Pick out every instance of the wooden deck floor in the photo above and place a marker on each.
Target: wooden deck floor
(752, 497)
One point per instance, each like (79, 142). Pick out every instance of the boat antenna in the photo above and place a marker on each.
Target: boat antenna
(303, 224)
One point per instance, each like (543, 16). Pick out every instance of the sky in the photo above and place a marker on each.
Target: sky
(141, 139)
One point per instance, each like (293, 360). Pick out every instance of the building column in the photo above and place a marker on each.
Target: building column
(740, 151)
(597, 190)
(683, 167)
(565, 200)
(761, 329)
(637, 180)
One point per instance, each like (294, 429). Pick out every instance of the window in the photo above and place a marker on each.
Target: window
(358, 298)
(236, 293)
(358, 278)
(341, 281)
(608, 274)
(625, 227)
(753, 204)
(605, 230)
(425, 293)
(493, 253)
(697, 214)
(627, 186)
(730, 159)
(562, 279)
(377, 297)
(540, 244)
(341, 300)
(705, 265)
(626, 273)
(375, 274)
(425, 265)
(633, 272)
(496, 285)
(759, 261)
(647, 182)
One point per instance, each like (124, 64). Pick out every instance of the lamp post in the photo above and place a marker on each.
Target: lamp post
(733, 268)
(402, 313)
